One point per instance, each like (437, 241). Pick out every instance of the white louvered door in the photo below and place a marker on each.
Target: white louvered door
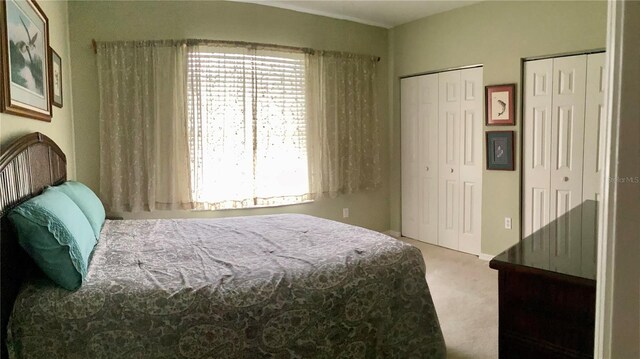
(449, 161)
(470, 166)
(428, 169)
(409, 156)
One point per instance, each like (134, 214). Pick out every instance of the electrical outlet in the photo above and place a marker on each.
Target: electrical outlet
(507, 222)
(345, 213)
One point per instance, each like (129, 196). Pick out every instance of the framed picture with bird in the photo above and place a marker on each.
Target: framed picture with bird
(500, 150)
(24, 42)
(500, 105)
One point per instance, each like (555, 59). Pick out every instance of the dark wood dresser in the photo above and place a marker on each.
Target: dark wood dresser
(547, 290)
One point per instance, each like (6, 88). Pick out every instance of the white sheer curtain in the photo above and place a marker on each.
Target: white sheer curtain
(144, 157)
(246, 127)
(221, 126)
(343, 129)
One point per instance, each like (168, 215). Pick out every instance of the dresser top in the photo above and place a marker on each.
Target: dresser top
(567, 246)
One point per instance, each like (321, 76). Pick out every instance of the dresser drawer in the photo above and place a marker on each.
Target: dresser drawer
(545, 315)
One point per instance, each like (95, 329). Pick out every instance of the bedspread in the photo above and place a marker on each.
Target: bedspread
(276, 286)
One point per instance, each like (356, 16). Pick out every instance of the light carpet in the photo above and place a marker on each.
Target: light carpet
(465, 292)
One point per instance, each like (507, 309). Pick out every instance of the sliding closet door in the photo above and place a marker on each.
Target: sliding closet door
(594, 137)
(409, 154)
(428, 169)
(470, 168)
(537, 148)
(449, 158)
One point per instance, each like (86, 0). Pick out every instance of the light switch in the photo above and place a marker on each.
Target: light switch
(507, 222)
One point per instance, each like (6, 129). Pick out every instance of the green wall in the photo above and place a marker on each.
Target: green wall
(60, 129)
(497, 35)
(221, 20)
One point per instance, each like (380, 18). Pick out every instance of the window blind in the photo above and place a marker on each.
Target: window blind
(247, 131)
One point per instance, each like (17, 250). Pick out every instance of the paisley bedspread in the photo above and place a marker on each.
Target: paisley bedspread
(280, 286)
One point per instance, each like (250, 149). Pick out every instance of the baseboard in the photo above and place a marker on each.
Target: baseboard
(392, 233)
(397, 234)
(485, 257)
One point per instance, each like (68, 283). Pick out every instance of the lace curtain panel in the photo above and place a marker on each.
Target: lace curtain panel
(214, 127)
(343, 129)
(144, 156)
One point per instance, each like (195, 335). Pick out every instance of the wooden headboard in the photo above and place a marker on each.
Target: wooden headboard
(27, 166)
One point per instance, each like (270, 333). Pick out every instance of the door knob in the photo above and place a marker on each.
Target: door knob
(427, 168)
(451, 169)
(566, 179)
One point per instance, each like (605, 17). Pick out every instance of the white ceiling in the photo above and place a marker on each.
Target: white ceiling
(387, 13)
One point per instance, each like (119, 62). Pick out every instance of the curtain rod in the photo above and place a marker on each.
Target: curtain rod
(305, 50)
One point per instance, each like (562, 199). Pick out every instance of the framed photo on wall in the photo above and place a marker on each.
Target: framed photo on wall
(501, 105)
(56, 78)
(500, 150)
(24, 50)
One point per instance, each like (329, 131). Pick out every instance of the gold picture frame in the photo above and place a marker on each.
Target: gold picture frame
(24, 51)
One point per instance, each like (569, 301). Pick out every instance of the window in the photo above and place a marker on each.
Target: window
(247, 135)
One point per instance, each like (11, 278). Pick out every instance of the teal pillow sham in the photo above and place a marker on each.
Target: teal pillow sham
(57, 235)
(88, 202)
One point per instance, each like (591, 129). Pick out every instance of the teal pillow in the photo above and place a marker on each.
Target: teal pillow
(88, 202)
(57, 235)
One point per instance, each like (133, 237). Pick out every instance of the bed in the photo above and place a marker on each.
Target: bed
(247, 287)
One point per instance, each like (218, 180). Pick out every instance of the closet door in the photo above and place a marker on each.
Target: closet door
(567, 133)
(567, 144)
(470, 167)
(594, 128)
(594, 131)
(449, 158)
(409, 154)
(537, 156)
(428, 169)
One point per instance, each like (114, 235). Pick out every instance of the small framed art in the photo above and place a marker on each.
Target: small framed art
(500, 150)
(501, 105)
(56, 78)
